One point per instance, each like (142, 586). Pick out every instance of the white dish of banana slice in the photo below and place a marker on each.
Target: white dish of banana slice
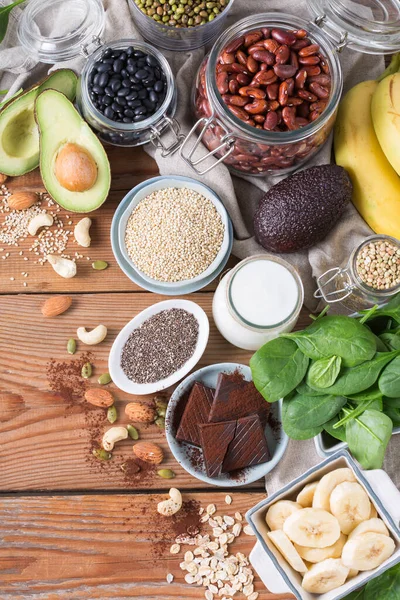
(328, 532)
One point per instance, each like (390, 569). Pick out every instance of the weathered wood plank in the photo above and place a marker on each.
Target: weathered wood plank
(100, 546)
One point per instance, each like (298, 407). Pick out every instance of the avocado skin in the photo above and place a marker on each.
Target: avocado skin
(301, 210)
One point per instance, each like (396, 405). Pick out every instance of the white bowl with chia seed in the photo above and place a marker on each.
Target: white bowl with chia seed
(118, 358)
(140, 193)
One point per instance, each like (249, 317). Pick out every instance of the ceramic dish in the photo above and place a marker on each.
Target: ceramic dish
(273, 568)
(114, 360)
(190, 457)
(326, 445)
(118, 228)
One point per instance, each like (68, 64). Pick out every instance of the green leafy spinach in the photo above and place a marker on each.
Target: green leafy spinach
(290, 428)
(368, 436)
(323, 372)
(389, 381)
(306, 412)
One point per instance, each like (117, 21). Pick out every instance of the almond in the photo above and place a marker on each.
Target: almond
(22, 200)
(140, 412)
(3, 178)
(148, 452)
(56, 305)
(99, 397)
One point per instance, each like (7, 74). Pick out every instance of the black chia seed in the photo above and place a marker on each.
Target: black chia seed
(160, 346)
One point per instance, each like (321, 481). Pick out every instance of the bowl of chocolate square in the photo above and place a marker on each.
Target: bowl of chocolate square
(220, 428)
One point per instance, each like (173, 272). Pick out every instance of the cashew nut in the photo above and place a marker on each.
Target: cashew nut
(63, 266)
(112, 436)
(40, 220)
(167, 508)
(91, 338)
(81, 232)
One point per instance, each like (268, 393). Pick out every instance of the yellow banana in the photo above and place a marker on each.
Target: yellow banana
(385, 110)
(376, 185)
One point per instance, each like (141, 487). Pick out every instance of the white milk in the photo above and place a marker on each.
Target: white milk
(256, 301)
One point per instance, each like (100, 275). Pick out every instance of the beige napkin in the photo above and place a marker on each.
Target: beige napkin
(240, 195)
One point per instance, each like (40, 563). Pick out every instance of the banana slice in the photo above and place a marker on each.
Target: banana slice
(327, 485)
(373, 525)
(325, 576)
(352, 573)
(279, 512)
(305, 497)
(373, 514)
(350, 504)
(367, 551)
(312, 527)
(288, 551)
(316, 555)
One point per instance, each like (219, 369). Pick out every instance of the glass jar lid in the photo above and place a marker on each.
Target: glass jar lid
(368, 26)
(58, 30)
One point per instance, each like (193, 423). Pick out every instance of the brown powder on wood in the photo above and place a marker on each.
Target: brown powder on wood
(65, 377)
(185, 523)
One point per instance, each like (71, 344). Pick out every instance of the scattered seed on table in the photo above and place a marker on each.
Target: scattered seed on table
(174, 234)
(160, 346)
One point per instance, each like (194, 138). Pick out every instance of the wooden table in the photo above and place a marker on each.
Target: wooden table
(70, 527)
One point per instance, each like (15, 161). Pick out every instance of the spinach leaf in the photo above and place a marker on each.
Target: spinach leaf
(277, 368)
(390, 310)
(339, 433)
(362, 377)
(292, 431)
(393, 402)
(383, 587)
(4, 16)
(389, 381)
(372, 393)
(323, 372)
(356, 595)
(353, 413)
(393, 413)
(391, 340)
(337, 335)
(367, 437)
(305, 389)
(306, 412)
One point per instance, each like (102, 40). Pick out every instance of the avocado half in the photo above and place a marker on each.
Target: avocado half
(60, 125)
(19, 135)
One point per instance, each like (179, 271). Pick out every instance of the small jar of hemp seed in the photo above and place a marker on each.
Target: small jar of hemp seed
(370, 276)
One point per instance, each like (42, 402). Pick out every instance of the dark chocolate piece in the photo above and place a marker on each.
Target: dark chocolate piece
(249, 446)
(215, 439)
(235, 398)
(196, 412)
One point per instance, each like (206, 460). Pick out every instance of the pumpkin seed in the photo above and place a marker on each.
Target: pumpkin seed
(101, 454)
(132, 432)
(160, 403)
(112, 414)
(160, 422)
(99, 265)
(86, 370)
(166, 473)
(71, 346)
(161, 412)
(104, 379)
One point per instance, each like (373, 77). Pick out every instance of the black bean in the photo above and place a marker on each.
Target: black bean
(103, 80)
(108, 61)
(158, 86)
(96, 78)
(115, 85)
(117, 65)
(141, 62)
(142, 94)
(123, 56)
(134, 103)
(141, 74)
(153, 96)
(107, 100)
(129, 51)
(140, 110)
(97, 89)
(127, 120)
(137, 118)
(126, 83)
(132, 95)
(123, 92)
(121, 101)
(116, 107)
(148, 82)
(138, 54)
(129, 113)
(152, 61)
(124, 73)
(131, 69)
(109, 91)
(149, 105)
(107, 53)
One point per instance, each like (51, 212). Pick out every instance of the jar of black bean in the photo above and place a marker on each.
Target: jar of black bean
(127, 93)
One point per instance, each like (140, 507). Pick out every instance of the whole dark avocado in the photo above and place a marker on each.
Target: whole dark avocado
(301, 210)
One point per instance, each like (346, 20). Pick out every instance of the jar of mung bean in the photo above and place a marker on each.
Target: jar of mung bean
(370, 276)
(126, 91)
(180, 25)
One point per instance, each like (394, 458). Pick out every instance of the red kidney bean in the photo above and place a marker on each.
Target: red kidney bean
(222, 83)
(238, 112)
(255, 47)
(252, 92)
(294, 101)
(309, 50)
(234, 44)
(271, 45)
(322, 79)
(243, 79)
(309, 60)
(314, 115)
(303, 110)
(312, 70)
(271, 121)
(252, 65)
(241, 57)
(300, 33)
(324, 64)
(318, 90)
(246, 158)
(265, 77)
(319, 105)
(306, 95)
(290, 86)
(300, 79)
(259, 118)
(264, 56)
(257, 106)
(272, 91)
(282, 55)
(301, 122)
(294, 61)
(300, 44)
(252, 38)
(283, 94)
(289, 117)
(227, 58)
(273, 105)
(283, 36)
(284, 71)
(266, 31)
(234, 86)
(234, 100)
(238, 68)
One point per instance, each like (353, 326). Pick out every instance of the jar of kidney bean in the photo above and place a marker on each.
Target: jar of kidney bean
(265, 97)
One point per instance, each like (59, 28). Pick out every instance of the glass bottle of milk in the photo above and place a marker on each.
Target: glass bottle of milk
(257, 300)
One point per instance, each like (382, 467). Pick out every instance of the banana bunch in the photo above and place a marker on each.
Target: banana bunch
(330, 533)
(367, 144)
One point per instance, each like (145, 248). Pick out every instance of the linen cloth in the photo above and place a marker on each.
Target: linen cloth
(240, 195)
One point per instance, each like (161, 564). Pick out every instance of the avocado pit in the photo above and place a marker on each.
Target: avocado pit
(75, 168)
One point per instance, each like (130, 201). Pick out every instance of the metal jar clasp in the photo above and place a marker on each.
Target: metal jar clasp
(226, 145)
(166, 126)
(327, 281)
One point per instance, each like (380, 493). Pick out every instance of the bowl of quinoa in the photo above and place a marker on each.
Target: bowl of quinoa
(174, 233)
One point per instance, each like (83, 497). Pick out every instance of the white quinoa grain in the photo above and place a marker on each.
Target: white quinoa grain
(174, 234)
